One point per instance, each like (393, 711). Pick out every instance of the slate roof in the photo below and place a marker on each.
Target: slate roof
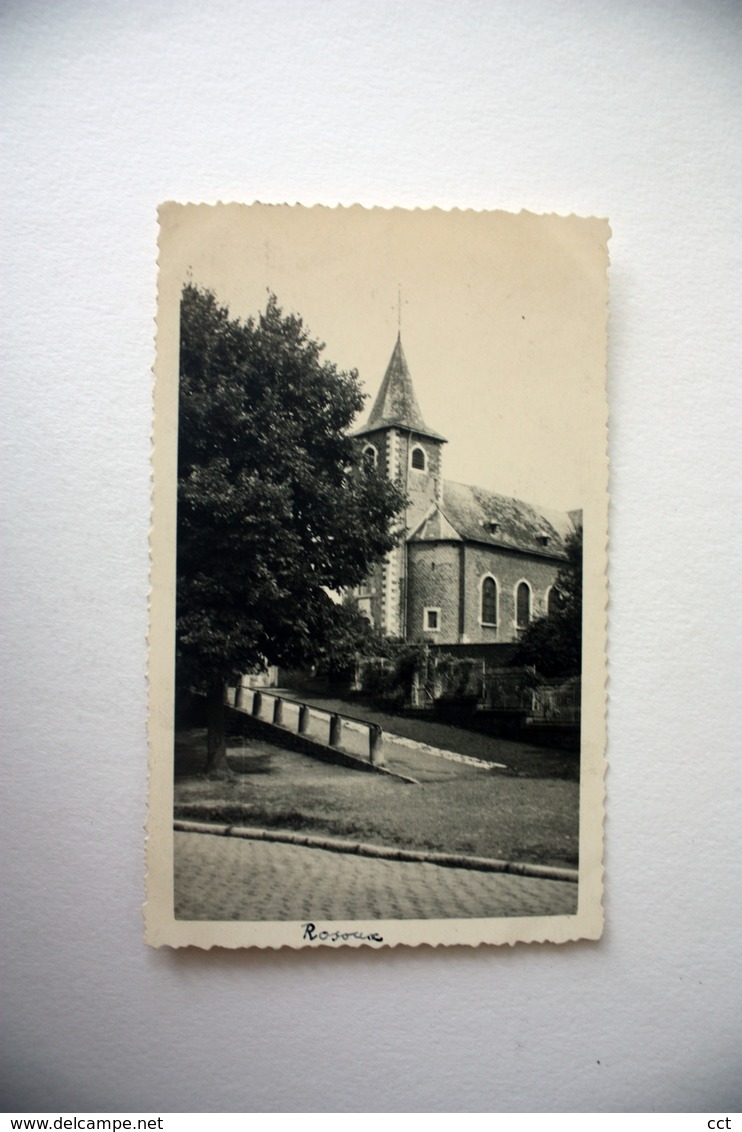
(396, 404)
(472, 514)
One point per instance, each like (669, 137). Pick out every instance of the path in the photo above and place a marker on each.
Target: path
(421, 761)
(521, 759)
(227, 878)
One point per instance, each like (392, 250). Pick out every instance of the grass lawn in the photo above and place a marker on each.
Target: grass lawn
(521, 758)
(485, 813)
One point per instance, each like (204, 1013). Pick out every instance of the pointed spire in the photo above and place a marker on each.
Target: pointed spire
(396, 404)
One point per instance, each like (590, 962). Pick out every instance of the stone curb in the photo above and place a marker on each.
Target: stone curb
(361, 849)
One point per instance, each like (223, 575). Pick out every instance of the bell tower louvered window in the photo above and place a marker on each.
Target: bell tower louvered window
(418, 458)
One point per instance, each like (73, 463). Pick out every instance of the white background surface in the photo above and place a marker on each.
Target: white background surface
(626, 109)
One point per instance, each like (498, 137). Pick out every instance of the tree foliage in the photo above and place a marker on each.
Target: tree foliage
(553, 644)
(275, 506)
(348, 636)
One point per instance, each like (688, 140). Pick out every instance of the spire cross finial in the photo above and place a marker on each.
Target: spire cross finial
(399, 309)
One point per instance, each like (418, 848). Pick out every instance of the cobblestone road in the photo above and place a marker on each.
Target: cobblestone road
(228, 878)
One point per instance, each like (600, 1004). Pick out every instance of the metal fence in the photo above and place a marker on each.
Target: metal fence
(557, 701)
(508, 689)
(495, 689)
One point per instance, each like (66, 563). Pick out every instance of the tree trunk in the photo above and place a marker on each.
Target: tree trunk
(216, 745)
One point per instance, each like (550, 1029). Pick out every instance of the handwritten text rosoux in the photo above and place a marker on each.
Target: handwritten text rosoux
(315, 935)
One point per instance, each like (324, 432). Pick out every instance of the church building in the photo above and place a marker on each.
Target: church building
(472, 567)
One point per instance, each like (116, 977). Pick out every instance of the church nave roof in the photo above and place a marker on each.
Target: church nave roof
(473, 514)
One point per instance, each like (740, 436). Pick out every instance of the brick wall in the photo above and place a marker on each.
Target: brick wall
(386, 582)
(435, 572)
(507, 568)
(433, 583)
(419, 486)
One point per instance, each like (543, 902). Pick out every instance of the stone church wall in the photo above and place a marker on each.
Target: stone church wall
(508, 569)
(433, 582)
(419, 486)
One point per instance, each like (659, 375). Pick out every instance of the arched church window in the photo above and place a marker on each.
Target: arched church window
(370, 456)
(489, 601)
(418, 458)
(523, 605)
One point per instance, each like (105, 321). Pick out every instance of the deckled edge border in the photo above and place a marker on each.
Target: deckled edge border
(162, 930)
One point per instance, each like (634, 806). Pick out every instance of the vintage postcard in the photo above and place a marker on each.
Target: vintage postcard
(378, 610)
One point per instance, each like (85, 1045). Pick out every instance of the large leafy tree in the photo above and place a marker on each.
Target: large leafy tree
(275, 506)
(553, 644)
(350, 636)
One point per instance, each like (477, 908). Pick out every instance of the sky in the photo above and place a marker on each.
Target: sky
(503, 321)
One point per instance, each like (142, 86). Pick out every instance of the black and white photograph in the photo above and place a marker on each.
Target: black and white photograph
(513, 229)
(388, 502)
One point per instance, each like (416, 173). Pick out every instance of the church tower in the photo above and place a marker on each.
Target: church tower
(397, 440)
